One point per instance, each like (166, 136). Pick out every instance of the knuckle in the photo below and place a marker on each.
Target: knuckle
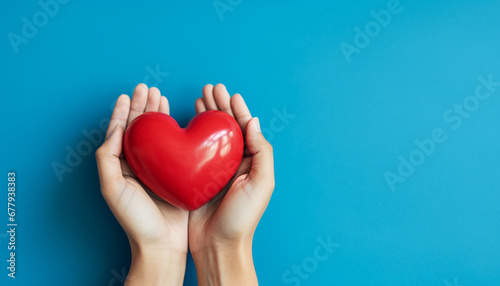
(272, 185)
(272, 182)
(269, 147)
(100, 153)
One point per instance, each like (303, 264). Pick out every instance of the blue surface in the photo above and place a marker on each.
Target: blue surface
(354, 116)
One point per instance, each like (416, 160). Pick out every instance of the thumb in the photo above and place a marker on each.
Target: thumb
(262, 170)
(108, 158)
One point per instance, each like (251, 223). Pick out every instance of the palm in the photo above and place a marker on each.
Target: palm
(215, 220)
(152, 219)
(143, 216)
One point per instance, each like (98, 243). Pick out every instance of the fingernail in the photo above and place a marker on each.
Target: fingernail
(256, 124)
(112, 131)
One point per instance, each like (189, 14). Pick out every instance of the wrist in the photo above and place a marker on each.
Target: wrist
(156, 266)
(226, 264)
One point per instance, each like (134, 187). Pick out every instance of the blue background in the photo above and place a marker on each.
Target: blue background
(352, 122)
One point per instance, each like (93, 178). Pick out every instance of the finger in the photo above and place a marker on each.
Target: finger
(208, 97)
(120, 113)
(240, 110)
(262, 170)
(153, 102)
(222, 99)
(108, 161)
(199, 105)
(138, 103)
(164, 106)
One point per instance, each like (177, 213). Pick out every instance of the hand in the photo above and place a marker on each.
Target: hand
(221, 232)
(157, 231)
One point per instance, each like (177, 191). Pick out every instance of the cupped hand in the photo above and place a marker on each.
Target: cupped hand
(155, 228)
(231, 218)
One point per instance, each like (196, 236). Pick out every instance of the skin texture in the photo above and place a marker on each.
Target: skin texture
(220, 233)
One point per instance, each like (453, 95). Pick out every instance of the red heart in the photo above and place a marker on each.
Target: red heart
(185, 167)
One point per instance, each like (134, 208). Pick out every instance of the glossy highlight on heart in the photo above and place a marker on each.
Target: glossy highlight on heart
(185, 167)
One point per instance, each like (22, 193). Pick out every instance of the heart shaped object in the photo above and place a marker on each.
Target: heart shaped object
(185, 167)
